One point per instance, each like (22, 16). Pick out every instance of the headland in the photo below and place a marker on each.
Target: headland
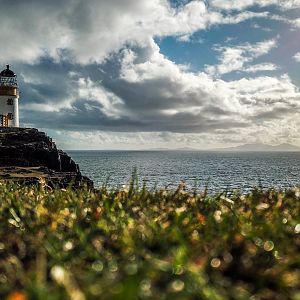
(28, 156)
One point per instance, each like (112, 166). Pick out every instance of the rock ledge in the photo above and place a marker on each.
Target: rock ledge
(28, 155)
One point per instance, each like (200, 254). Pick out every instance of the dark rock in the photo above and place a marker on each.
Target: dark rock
(32, 154)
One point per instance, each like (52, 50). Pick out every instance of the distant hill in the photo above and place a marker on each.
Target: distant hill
(261, 147)
(175, 149)
(186, 149)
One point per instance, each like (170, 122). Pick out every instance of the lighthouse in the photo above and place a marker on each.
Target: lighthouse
(9, 99)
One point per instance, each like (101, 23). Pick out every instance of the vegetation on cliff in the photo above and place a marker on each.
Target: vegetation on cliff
(140, 244)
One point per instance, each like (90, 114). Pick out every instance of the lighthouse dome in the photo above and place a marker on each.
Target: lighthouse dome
(7, 72)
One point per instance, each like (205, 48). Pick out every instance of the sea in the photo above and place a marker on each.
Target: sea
(216, 171)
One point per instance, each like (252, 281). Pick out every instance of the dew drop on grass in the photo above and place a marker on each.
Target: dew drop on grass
(177, 286)
(145, 287)
(113, 266)
(178, 270)
(97, 266)
(3, 279)
(268, 246)
(68, 246)
(277, 255)
(218, 216)
(58, 274)
(215, 263)
(195, 235)
(258, 242)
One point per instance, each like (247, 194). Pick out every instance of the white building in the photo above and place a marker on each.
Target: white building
(9, 98)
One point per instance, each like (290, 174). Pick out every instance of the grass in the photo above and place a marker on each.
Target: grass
(140, 244)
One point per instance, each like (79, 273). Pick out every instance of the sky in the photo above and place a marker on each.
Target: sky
(127, 74)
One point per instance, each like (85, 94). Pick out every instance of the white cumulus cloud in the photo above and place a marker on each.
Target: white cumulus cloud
(236, 58)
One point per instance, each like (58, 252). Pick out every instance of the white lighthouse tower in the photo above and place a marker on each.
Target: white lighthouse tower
(9, 99)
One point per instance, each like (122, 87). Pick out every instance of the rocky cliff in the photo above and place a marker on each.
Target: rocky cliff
(29, 155)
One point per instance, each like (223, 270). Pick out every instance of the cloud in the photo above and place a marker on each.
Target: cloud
(297, 57)
(240, 5)
(90, 31)
(108, 103)
(150, 93)
(238, 58)
(295, 23)
(260, 68)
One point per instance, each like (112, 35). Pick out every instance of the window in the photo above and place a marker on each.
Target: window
(10, 102)
(4, 121)
(10, 116)
(10, 81)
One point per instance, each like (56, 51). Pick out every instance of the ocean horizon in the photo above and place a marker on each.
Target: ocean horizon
(216, 170)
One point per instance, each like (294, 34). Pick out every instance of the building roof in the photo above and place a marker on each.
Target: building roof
(7, 72)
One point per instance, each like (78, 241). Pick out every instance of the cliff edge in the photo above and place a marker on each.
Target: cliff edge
(28, 155)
